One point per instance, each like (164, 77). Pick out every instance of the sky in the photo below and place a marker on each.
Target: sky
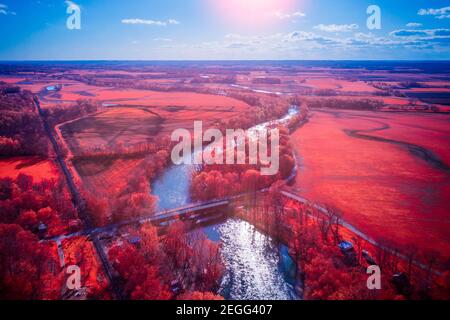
(224, 30)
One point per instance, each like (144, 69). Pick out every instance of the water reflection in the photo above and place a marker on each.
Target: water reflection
(172, 187)
(256, 269)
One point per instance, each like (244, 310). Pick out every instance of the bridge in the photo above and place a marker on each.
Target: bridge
(194, 212)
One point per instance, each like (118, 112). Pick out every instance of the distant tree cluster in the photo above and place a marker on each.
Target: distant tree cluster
(351, 104)
(59, 114)
(122, 151)
(266, 108)
(266, 80)
(21, 129)
(228, 79)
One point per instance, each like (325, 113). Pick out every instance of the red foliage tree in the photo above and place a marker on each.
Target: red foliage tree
(27, 271)
(141, 281)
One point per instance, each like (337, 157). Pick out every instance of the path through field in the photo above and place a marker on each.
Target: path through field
(387, 172)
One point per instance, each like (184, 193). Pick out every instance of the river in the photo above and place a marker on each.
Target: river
(257, 268)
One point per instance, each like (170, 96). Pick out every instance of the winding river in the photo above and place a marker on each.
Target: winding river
(257, 268)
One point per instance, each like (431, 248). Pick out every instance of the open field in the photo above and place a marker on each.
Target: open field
(381, 187)
(11, 80)
(340, 85)
(36, 167)
(107, 177)
(142, 114)
(72, 93)
(115, 126)
(426, 130)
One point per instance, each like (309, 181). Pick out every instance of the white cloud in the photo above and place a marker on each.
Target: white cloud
(173, 21)
(292, 15)
(337, 27)
(150, 22)
(422, 34)
(441, 13)
(162, 39)
(4, 10)
(413, 25)
(311, 45)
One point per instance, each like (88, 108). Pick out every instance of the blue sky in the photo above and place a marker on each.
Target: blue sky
(224, 29)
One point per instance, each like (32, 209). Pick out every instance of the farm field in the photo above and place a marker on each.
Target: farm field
(340, 85)
(106, 177)
(381, 188)
(72, 93)
(115, 126)
(36, 167)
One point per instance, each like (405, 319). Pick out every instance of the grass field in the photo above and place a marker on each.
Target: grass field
(340, 85)
(381, 188)
(36, 167)
(115, 126)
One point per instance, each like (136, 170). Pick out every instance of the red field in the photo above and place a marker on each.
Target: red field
(381, 188)
(36, 167)
(340, 85)
(71, 92)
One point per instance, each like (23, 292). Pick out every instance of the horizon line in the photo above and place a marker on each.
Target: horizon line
(224, 60)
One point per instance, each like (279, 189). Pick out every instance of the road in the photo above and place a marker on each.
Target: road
(80, 205)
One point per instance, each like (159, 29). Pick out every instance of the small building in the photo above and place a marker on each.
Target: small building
(176, 286)
(42, 229)
(349, 253)
(346, 247)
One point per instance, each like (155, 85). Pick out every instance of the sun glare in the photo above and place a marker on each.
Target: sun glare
(251, 14)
